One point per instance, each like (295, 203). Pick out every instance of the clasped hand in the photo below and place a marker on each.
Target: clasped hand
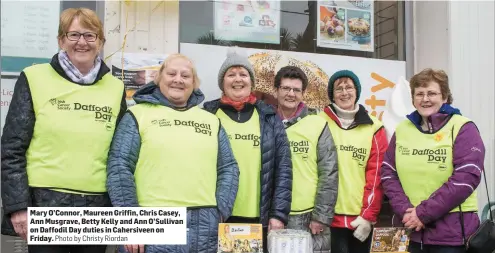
(411, 220)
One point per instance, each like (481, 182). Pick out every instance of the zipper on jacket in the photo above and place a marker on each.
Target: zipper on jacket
(422, 236)
(238, 116)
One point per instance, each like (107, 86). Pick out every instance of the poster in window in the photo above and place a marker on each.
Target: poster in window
(346, 25)
(247, 21)
(136, 70)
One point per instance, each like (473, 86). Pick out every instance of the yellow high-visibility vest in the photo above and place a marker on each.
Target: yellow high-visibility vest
(73, 131)
(177, 164)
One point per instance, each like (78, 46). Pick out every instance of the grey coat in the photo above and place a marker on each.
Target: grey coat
(124, 154)
(326, 195)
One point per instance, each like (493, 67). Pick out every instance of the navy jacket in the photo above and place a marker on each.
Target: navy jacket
(124, 155)
(276, 169)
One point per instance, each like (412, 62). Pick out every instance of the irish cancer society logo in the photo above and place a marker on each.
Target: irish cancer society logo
(60, 104)
(101, 113)
(403, 150)
(161, 122)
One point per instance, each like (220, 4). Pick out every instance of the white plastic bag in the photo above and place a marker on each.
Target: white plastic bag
(289, 241)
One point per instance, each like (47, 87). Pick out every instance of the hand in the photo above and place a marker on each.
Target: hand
(19, 221)
(406, 218)
(413, 222)
(135, 248)
(275, 224)
(363, 228)
(316, 227)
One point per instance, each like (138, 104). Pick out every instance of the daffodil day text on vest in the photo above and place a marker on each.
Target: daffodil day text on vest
(63, 108)
(414, 162)
(202, 128)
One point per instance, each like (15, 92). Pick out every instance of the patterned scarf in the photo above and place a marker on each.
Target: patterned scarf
(238, 105)
(74, 74)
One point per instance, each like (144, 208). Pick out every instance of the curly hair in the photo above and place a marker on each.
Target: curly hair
(291, 72)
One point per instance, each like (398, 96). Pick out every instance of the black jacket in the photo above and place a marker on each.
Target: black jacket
(276, 169)
(16, 137)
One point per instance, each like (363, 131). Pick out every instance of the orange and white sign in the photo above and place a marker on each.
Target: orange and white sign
(378, 77)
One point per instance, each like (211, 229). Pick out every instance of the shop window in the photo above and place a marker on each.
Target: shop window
(299, 25)
(30, 29)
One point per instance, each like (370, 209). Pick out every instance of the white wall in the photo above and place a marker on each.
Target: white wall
(471, 69)
(459, 38)
(431, 45)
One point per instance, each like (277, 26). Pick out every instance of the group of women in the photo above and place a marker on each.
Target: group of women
(237, 159)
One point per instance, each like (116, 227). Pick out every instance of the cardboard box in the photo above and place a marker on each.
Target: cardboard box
(389, 240)
(240, 238)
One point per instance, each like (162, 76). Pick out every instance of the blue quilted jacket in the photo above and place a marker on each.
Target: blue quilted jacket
(276, 169)
(122, 160)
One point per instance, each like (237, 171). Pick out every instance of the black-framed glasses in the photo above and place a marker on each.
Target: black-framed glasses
(88, 36)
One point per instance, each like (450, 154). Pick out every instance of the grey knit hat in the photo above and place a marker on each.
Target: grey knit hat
(235, 58)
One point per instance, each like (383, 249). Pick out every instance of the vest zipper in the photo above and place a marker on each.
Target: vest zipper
(422, 236)
(238, 116)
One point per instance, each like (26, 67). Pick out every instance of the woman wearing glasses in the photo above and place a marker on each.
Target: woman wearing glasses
(260, 146)
(59, 128)
(432, 168)
(361, 143)
(314, 159)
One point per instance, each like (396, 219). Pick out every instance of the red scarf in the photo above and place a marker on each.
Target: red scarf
(238, 105)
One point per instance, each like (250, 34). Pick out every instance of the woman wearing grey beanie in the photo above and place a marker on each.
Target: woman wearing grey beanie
(260, 146)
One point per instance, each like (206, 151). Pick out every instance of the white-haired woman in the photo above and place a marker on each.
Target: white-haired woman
(167, 152)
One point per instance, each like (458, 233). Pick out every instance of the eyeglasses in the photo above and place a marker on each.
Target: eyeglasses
(429, 94)
(348, 89)
(75, 36)
(288, 89)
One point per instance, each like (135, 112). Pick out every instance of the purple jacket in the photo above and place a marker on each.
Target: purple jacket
(442, 227)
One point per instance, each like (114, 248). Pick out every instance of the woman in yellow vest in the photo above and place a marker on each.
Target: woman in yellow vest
(167, 152)
(432, 168)
(260, 147)
(59, 128)
(361, 143)
(314, 159)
